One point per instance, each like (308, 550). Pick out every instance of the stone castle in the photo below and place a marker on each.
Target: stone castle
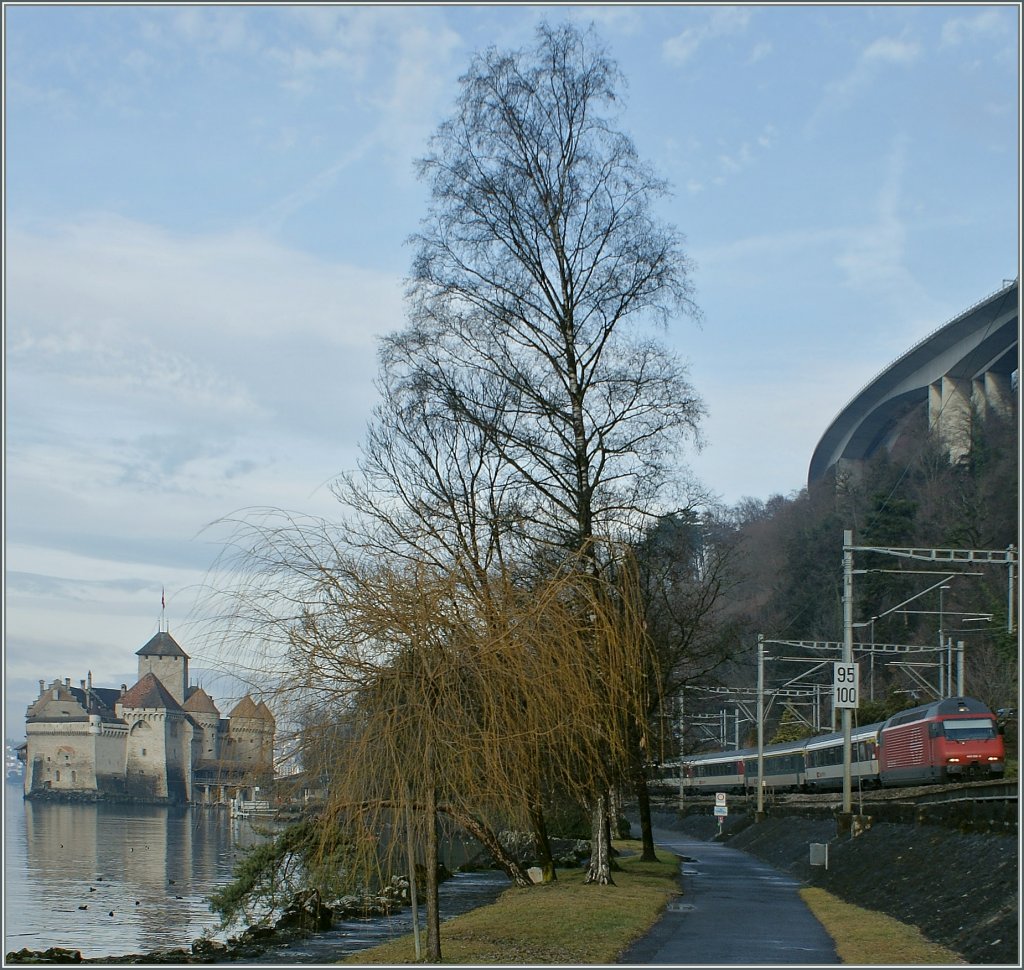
(160, 741)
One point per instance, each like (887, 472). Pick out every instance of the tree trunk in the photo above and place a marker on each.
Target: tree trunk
(600, 869)
(541, 843)
(433, 904)
(643, 801)
(609, 837)
(486, 837)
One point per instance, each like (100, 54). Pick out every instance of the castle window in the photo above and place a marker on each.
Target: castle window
(143, 752)
(74, 776)
(58, 776)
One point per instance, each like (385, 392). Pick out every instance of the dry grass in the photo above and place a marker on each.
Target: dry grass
(866, 938)
(567, 922)
(564, 922)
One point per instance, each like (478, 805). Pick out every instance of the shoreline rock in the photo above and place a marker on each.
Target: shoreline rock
(304, 916)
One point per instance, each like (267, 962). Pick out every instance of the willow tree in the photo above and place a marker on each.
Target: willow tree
(538, 271)
(437, 700)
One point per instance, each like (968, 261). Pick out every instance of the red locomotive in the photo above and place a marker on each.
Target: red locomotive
(954, 739)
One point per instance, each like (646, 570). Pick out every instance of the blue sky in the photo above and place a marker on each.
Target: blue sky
(205, 215)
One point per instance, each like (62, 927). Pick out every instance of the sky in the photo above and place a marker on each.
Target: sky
(206, 211)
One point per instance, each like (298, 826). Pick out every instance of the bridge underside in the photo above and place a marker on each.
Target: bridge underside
(963, 370)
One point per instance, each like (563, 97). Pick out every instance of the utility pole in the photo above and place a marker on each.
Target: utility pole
(943, 690)
(1011, 622)
(847, 658)
(760, 726)
(682, 751)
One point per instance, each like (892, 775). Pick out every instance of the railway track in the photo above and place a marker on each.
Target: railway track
(1001, 791)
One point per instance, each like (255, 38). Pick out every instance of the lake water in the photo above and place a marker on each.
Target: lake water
(110, 879)
(114, 879)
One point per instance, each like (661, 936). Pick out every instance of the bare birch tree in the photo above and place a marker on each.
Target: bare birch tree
(536, 270)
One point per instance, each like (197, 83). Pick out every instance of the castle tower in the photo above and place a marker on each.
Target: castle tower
(204, 713)
(267, 734)
(158, 755)
(250, 737)
(163, 658)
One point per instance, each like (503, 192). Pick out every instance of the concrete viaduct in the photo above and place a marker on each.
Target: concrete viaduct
(963, 367)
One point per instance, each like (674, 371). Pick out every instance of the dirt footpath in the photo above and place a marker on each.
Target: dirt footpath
(959, 889)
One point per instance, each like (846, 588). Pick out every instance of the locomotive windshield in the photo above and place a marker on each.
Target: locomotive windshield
(969, 729)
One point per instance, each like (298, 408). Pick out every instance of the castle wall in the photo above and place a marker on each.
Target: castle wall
(61, 757)
(75, 756)
(206, 739)
(144, 768)
(178, 745)
(244, 742)
(158, 757)
(110, 742)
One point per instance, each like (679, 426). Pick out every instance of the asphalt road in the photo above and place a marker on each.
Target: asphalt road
(735, 911)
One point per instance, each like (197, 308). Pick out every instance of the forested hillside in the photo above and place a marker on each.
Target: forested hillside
(785, 565)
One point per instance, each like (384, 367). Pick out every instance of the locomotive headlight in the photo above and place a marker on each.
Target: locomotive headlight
(953, 761)
(992, 757)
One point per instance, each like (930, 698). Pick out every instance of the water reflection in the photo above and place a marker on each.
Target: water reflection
(110, 879)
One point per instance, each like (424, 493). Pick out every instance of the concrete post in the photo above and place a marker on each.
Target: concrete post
(847, 658)
(760, 726)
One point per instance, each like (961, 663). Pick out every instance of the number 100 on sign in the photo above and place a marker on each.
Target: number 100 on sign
(845, 685)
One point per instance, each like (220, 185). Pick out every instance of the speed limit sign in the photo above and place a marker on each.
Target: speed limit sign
(846, 684)
(719, 797)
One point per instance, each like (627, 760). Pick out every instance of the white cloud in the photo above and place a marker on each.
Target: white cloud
(989, 23)
(768, 136)
(217, 29)
(414, 63)
(119, 277)
(891, 50)
(875, 255)
(721, 22)
(193, 375)
(745, 155)
(881, 53)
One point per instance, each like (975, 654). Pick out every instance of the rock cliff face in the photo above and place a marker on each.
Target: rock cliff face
(959, 888)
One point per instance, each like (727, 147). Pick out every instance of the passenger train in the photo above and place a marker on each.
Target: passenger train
(954, 739)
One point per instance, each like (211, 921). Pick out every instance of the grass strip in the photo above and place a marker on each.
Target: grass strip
(561, 922)
(866, 938)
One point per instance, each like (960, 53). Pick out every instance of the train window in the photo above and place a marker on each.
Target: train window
(969, 729)
(905, 718)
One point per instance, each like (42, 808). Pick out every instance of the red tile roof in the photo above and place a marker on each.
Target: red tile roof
(149, 692)
(199, 702)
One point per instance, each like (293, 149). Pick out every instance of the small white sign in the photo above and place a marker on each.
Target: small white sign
(719, 797)
(721, 810)
(846, 685)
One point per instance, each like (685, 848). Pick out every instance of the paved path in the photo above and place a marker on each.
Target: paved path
(735, 911)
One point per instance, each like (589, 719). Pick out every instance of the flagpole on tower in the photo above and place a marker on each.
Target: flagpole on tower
(163, 611)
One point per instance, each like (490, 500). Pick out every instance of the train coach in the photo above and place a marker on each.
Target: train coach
(823, 759)
(736, 771)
